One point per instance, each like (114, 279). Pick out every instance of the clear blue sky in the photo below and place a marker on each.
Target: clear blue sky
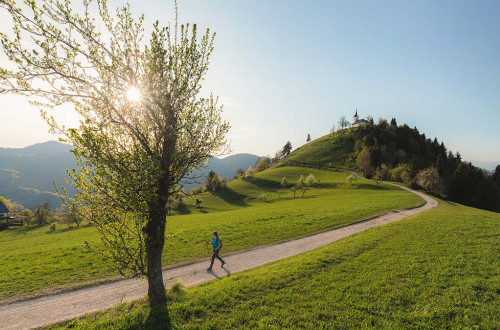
(288, 68)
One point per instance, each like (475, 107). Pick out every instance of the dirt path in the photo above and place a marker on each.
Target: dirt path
(55, 308)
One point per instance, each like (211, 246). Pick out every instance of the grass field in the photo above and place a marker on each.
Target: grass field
(34, 259)
(438, 269)
(332, 150)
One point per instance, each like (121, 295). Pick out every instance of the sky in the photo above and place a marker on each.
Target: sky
(285, 69)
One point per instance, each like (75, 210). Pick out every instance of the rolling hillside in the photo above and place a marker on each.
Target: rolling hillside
(26, 174)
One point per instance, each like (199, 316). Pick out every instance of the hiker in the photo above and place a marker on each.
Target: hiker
(216, 246)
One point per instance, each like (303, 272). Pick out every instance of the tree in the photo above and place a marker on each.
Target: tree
(308, 137)
(263, 164)
(350, 179)
(364, 162)
(343, 123)
(430, 181)
(287, 149)
(250, 171)
(300, 182)
(284, 182)
(310, 180)
(495, 175)
(142, 128)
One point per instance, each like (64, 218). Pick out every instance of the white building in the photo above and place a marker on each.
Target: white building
(356, 122)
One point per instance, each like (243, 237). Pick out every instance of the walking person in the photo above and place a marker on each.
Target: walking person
(216, 246)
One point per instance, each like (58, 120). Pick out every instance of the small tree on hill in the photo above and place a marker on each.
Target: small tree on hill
(284, 182)
(350, 179)
(263, 164)
(308, 138)
(287, 149)
(343, 123)
(250, 171)
(143, 127)
(300, 182)
(310, 180)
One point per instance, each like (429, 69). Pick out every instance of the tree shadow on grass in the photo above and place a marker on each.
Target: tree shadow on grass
(158, 318)
(231, 197)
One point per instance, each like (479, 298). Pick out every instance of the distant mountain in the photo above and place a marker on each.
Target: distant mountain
(26, 174)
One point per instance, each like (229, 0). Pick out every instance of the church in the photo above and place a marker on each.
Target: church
(356, 122)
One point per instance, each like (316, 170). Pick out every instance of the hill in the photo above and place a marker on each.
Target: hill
(26, 174)
(387, 151)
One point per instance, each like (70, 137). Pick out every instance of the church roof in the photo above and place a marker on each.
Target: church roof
(3, 208)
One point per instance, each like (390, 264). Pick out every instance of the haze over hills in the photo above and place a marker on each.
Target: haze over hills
(27, 174)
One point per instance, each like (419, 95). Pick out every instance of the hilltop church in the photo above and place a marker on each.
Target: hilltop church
(356, 122)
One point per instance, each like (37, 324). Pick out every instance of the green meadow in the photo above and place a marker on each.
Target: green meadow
(437, 269)
(35, 260)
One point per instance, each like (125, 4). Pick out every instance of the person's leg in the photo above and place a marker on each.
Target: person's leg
(214, 255)
(218, 257)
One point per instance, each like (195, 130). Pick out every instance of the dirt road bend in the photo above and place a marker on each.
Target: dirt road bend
(50, 309)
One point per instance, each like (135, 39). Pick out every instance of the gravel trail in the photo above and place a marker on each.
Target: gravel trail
(50, 309)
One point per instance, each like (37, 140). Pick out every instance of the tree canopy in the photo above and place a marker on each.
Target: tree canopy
(143, 126)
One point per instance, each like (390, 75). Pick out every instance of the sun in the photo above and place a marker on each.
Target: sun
(133, 94)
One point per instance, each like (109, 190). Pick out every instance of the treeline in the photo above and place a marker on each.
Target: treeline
(386, 151)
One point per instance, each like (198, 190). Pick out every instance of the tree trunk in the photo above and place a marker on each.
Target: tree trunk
(154, 247)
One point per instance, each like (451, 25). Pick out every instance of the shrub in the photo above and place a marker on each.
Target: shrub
(214, 183)
(284, 182)
(52, 227)
(263, 198)
(310, 180)
(250, 171)
(402, 173)
(263, 164)
(350, 179)
(430, 181)
(300, 182)
(196, 191)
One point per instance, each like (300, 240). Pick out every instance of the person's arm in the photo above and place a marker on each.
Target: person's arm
(219, 244)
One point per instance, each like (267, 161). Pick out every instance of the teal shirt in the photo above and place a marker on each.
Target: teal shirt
(215, 242)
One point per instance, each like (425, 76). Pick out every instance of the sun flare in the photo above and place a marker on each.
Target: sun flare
(133, 94)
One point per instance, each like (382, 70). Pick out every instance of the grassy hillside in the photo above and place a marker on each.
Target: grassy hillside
(34, 258)
(438, 269)
(332, 150)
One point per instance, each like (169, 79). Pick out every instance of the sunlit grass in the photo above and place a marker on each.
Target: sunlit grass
(34, 258)
(438, 269)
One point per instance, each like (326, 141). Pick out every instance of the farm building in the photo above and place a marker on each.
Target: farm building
(4, 211)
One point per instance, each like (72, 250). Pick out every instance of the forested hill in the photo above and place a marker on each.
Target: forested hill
(388, 151)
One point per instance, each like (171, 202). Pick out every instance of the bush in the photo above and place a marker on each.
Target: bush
(263, 164)
(196, 191)
(214, 183)
(263, 198)
(310, 180)
(300, 182)
(284, 182)
(350, 179)
(430, 181)
(402, 173)
(42, 216)
(52, 227)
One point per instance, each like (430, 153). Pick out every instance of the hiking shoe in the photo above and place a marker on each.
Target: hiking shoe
(209, 269)
(223, 263)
